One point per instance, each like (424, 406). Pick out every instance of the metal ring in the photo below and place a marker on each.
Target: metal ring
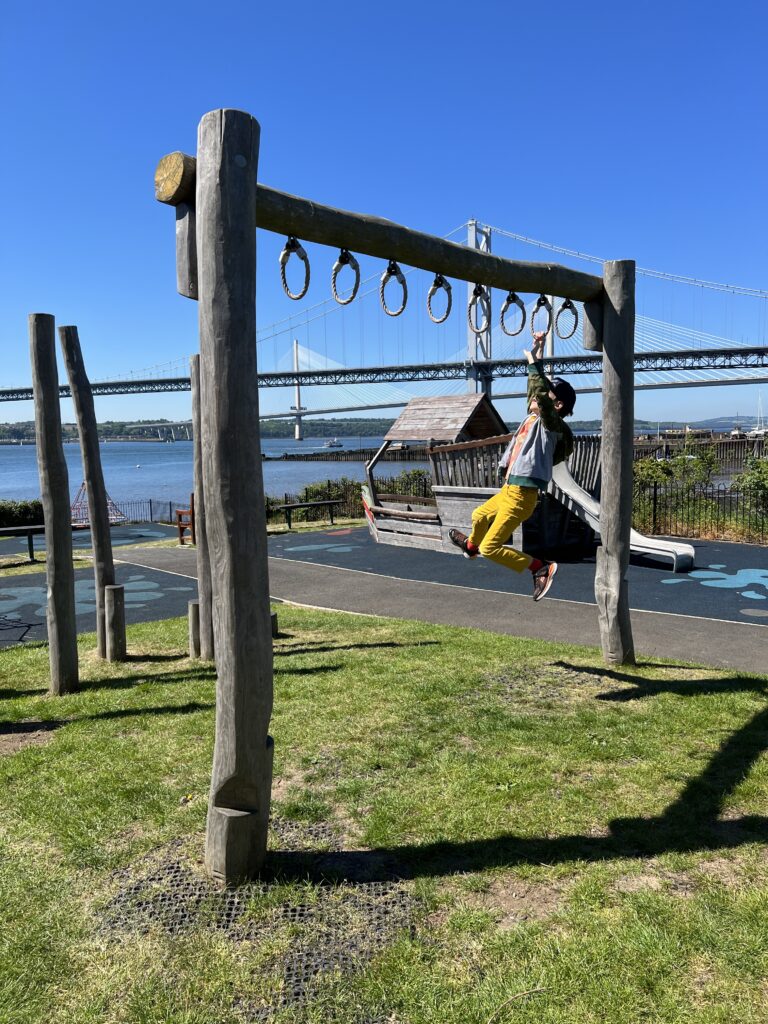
(512, 299)
(567, 304)
(345, 257)
(437, 284)
(291, 246)
(544, 302)
(479, 295)
(393, 271)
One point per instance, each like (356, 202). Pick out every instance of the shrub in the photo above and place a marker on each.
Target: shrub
(21, 513)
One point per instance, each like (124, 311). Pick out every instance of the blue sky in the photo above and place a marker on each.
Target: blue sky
(625, 131)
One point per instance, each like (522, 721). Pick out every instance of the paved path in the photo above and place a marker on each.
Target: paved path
(716, 615)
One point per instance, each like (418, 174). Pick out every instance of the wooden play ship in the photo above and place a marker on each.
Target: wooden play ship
(465, 438)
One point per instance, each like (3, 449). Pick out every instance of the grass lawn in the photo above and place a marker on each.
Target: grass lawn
(467, 829)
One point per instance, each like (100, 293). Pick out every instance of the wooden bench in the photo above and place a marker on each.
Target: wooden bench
(32, 531)
(289, 508)
(185, 521)
(20, 531)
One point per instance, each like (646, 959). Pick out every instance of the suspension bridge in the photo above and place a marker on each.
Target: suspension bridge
(667, 356)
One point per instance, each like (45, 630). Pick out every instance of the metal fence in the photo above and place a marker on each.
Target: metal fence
(705, 511)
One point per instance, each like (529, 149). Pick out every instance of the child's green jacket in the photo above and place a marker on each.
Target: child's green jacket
(541, 440)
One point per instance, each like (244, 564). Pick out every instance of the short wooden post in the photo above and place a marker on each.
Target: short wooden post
(194, 629)
(54, 490)
(114, 614)
(238, 808)
(201, 533)
(611, 588)
(98, 513)
(275, 627)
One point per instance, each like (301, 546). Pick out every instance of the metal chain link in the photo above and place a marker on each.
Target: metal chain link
(542, 303)
(294, 245)
(437, 284)
(512, 299)
(393, 271)
(479, 296)
(345, 258)
(567, 305)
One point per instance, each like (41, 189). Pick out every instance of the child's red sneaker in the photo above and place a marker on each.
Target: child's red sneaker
(461, 541)
(542, 580)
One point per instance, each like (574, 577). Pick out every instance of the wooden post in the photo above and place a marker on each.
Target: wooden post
(54, 490)
(238, 808)
(194, 629)
(201, 533)
(611, 589)
(592, 328)
(114, 612)
(82, 397)
(186, 251)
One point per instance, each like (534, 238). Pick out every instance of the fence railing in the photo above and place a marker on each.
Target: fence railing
(704, 511)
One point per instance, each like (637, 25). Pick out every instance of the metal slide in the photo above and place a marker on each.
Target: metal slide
(565, 489)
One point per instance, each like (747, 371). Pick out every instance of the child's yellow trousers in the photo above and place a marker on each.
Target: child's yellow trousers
(494, 523)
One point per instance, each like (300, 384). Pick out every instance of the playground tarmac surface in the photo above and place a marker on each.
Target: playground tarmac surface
(716, 615)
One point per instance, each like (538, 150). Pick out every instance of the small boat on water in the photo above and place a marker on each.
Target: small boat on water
(759, 430)
(333, 442)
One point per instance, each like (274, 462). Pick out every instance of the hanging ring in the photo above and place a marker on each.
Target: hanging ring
(437, 284)
(479, 297)
(567, 305)
(345, 257)
(294, 245)
(512, 299)
(393, 271)
(542, 303)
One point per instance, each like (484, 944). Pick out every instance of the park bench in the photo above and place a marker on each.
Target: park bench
(30, 532)
(289, 507)
(20, 531)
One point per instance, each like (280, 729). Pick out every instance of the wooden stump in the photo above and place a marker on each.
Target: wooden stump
(611, 589)
(238, 809)
(98, 513)
(114, 609)
(54, 490)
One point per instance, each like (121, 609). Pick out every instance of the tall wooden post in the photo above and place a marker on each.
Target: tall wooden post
(238, 809)
(98, 513)
(54, 490)
(611, 588)
(206, 651)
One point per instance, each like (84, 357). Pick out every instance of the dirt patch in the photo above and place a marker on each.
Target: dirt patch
(30, 732)
(654, 878)
(513, 901)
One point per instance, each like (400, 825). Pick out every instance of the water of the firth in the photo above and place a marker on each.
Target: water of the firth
(136, 470)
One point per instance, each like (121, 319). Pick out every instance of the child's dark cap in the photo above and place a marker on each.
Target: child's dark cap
(563, 391)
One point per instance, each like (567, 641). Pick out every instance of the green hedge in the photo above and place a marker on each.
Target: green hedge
(21, 513)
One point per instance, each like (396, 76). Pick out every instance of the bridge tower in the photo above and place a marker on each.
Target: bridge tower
(479, 345)
(298, 408)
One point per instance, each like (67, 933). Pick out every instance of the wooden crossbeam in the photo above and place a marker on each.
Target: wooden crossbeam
(175, 182)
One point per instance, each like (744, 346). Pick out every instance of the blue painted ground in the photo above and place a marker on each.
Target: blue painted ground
(149, 593)
(730, 581)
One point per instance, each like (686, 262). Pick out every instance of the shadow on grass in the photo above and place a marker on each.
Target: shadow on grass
(690, 824)
(653, 687)
(10, 694)
(320, 649)
(203, 673)
(47, 725)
